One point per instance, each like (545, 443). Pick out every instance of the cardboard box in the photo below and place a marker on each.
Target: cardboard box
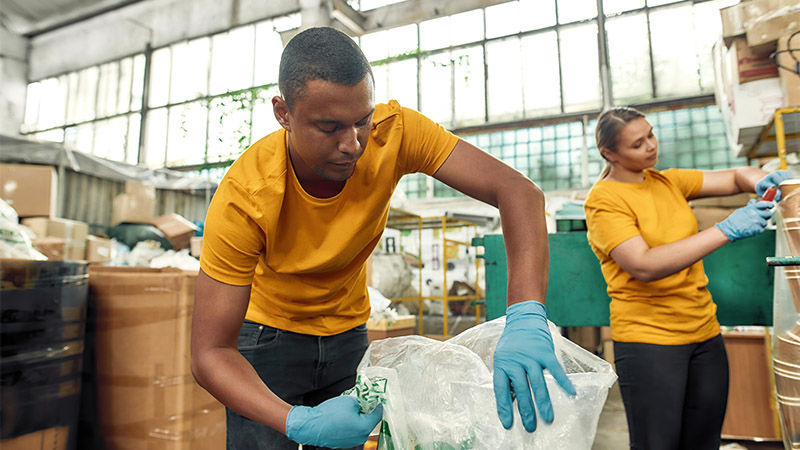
(727, 201)
(140, 334)
(733, 18)
(773, 24)
(52, 247)
(385, 328)
(98, 250)
(73, 233)
(752, 63)
(31, 190)
(132, 208)
(790, 82)
(139, 189)
(708, 216)
(49, 439)
(195, 245)
(176, 228)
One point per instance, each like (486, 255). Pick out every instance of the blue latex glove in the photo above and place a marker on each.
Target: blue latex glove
(526, 348)
(773, 179)
(334, 423)
(746, 221)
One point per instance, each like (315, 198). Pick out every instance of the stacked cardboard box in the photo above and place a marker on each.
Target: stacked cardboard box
(31, 190)
(385, 328)
(98, 249)
(136, 205)
(177, 229)
(748, 85)
(139, 330)
(72, 232)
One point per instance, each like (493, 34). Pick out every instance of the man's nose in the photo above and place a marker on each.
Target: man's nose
(349, 141)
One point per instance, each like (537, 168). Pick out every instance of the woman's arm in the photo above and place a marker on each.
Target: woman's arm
(649, 264)
(730, 181)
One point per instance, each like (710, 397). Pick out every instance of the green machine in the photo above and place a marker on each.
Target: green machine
(740, 281)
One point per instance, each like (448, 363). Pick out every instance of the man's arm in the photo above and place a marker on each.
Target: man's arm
(218, 366)
(478, 174)
(525, 348)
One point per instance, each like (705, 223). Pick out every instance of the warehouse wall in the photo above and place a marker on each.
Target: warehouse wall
(13, 79)
(88, 198)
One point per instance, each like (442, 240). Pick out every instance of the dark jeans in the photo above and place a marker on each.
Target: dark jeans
(674, 395)
(300, 369)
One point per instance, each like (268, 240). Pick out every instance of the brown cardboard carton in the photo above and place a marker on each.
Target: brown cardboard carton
(73, 233)
(132, 208)
(708, 216)
(727, 201)
(98, 250)
(733, 18)
(147, 396)
(195, 245)
(790, 81)
(752, 63)
(52, 247)
(48, 439)
(30, 189)
(773, 24)
(176, 228)
(139, 189)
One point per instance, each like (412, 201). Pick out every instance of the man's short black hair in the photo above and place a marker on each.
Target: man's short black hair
(320, 54)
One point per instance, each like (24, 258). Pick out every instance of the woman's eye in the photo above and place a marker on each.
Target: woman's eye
(328, 130)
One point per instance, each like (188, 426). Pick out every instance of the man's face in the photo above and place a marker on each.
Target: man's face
(328, 128)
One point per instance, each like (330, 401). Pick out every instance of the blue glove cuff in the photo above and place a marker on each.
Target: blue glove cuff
(527, 307)
(296, 417)
(726, 230)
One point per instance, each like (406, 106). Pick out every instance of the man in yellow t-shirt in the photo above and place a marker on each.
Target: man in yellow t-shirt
(278, 324)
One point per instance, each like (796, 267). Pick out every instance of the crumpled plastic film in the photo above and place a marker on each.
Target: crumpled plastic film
(369, 393)
(440, 394)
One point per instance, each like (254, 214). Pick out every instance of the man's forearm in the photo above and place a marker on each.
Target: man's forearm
(521, 206)
(227, 375)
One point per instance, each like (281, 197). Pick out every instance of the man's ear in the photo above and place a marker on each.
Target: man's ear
(281, 111)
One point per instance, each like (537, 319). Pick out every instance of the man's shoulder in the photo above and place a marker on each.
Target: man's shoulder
(261, 164)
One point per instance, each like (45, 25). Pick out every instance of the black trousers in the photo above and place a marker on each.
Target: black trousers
(300, 369)
(675, 395)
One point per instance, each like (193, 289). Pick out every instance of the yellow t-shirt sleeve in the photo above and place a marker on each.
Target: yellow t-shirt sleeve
(232, 239)
(609, 223)
(688, 181)
(426, 145)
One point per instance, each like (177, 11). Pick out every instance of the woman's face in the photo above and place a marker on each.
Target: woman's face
(637, 147)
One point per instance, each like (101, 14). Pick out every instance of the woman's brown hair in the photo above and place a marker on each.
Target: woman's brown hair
(609, 124)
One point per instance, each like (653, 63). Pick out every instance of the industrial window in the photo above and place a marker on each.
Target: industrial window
(519, 61)
(551, 155)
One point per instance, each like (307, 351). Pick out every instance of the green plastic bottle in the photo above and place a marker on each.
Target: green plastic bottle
(385, 437)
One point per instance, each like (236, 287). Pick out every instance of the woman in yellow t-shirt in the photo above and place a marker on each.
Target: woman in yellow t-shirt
(669, 354)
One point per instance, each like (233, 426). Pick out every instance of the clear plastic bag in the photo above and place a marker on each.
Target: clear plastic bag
(439, 395)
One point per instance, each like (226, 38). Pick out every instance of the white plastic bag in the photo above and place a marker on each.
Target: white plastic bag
(440, 395)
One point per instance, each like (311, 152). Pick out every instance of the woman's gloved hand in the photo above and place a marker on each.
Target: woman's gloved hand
(747, 221)
(772, 179)
(334, 423)
(524, 350)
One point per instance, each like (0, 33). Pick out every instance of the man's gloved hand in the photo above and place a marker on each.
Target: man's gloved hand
(772, 179)
(746, 221)
(334, 423)
(526, 348)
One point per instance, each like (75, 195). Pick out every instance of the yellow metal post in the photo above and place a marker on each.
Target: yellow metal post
(780, 138)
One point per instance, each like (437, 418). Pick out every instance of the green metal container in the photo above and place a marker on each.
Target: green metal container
(740, 281)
